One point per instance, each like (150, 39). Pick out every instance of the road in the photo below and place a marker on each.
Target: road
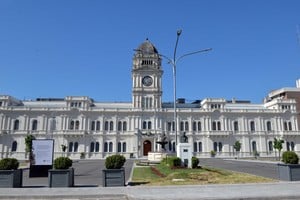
(259, 168)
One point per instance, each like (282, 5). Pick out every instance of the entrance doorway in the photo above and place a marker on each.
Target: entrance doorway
(147, 147)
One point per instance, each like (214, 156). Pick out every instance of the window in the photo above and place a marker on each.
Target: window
(194, 126)
(124, 126)
(16, 124)
(14, 146)
(76, 147)
(287, 126)
(98, 126)
(93, 126)
(70, 146)
(199, 126)
(106, 126)
(197, 146)
(111, 126)
(254, 146)
(169, 126)
(92, 147)
(124, 146)
(97, 147)
(73, 147)
(215, 146)
(181, 126)
(34, 125)
(119, 126)
(77, 125)
(72, 125)
(269, 126)
(121, 147)
(252, 126)
(270, 146)
(216, 126)
(220, 147)
(108, 147)
(236, 126)
(147, 125)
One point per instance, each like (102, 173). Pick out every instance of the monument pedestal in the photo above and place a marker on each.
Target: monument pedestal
(184, 152)
(156, 156)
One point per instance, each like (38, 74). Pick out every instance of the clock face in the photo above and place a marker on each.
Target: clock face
(147, 81)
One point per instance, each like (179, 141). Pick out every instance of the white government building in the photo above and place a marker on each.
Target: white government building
(94, 130)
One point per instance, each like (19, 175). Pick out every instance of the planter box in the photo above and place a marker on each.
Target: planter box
(289, 172)
(11, 178)
(113, 177)
(61, 177)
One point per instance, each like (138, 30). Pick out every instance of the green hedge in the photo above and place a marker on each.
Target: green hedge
(115, 162)
(172, 161)
(9, 164)
(62, 163)
(195, 162)
(290, 157)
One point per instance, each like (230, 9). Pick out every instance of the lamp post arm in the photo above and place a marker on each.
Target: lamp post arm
(191, 53)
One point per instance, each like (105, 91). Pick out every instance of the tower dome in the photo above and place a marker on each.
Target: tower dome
(147, 48)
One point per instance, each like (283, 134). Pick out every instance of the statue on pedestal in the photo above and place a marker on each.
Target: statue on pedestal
(184, 138)
(163, 141)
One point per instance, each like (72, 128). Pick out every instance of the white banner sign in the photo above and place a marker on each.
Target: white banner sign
(42, 151)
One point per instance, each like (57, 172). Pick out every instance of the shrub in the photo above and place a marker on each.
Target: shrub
(9, 164)
(290, 157)
(62, 163)
(195, 162)
(172, 161)
(115, 161)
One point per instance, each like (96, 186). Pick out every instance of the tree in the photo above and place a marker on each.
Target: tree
(278, 145)
(237, 146)
(28, 145)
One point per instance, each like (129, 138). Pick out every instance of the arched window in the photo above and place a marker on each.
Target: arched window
(269, 126)
(106, 126)
(92, 147)
(124, 126)
(34, 125)
(186, 126)
(110, 147)
(93, 126)
(199, 146)
(105, 147)
(16, 124)
(252, 126)
(98, 126)
(215, 146)
(270, 146)
(195, 147)
(173, 146)
(194, 126)
(119, 147)
(77, 125)
(97, 147)
(119, 126)
(111, 126)
(219, 126)
(70, 146)
(288, 146)
(124, 146)
(14, 146)
(199, 126)
(254, 146)
(149, 125)
(292, 146)
(220, 147)
(214, 126)
(144, 125)
(76, 147)
(72, 125)
(236, 126)
(181, 126)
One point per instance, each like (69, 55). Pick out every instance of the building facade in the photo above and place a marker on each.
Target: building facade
(94, 130)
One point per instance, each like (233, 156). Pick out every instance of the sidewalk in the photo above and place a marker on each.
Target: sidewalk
(280, 190)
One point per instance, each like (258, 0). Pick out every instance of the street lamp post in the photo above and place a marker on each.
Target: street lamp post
(173, 62)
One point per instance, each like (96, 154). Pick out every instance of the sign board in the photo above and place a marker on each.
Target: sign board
(42, 152)
(42, 157)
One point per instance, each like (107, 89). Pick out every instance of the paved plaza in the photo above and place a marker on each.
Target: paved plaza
(88, 185)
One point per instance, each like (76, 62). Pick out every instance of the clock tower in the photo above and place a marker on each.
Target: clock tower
(146, 77)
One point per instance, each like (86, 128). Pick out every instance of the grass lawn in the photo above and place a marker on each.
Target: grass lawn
(163, 175)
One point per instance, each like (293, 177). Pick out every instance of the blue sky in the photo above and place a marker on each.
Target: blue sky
(58, 48)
